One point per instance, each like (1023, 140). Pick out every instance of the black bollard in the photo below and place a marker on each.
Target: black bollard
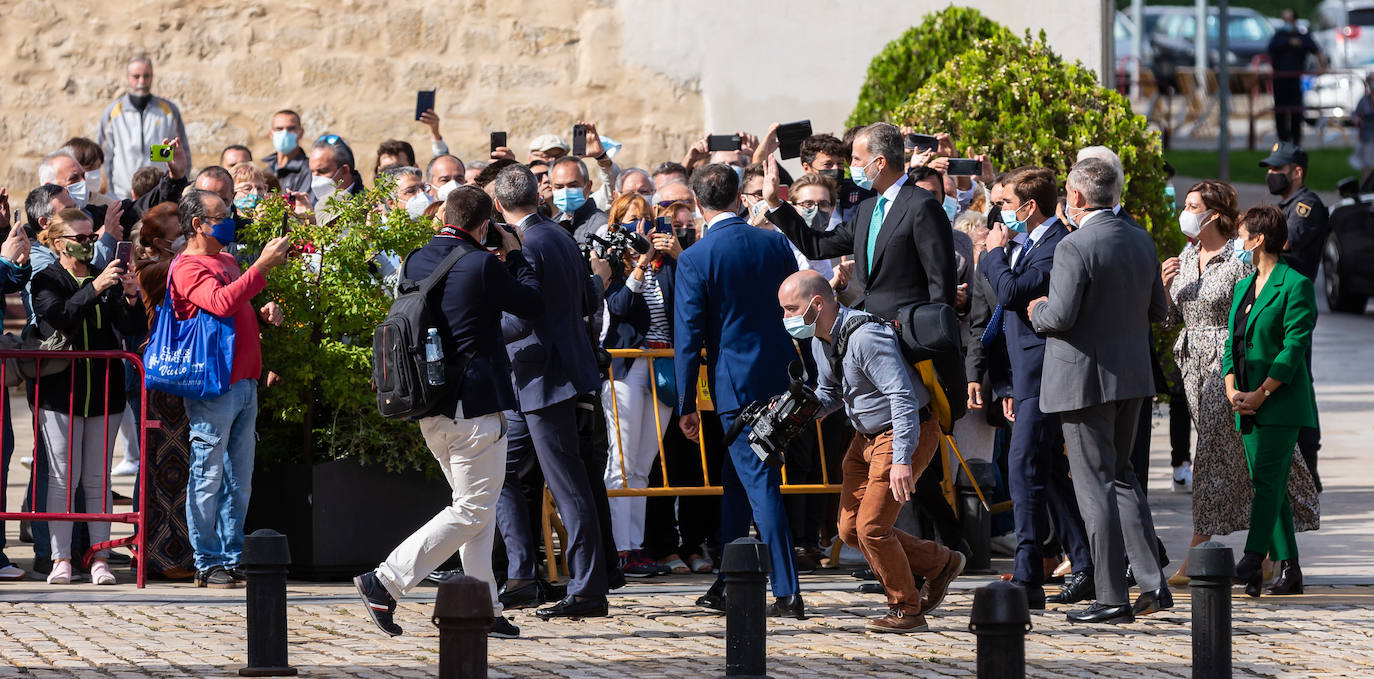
(1000, 618)
(266, 555)
(463, 613)
(745, 566)
(1211, 565)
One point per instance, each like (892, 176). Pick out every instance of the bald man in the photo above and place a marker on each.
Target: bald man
(860, 367)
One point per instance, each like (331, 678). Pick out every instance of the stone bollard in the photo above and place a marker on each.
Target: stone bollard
(1000, 618)
(463, 613)
(266, 555)
(1211, 566)
(745, 566)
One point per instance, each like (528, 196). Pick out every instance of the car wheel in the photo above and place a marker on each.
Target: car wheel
(1336, 295)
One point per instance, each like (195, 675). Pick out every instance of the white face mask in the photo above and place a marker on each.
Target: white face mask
(321, 186)
(93, 179)
(417, 204)
(448, 188)
(1191, 223)
(79, 193)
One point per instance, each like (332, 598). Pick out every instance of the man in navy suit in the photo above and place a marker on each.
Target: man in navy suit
(725, 305)
(1039, 483)
(552, 362)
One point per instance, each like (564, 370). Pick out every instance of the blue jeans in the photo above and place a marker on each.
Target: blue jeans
(223, 441)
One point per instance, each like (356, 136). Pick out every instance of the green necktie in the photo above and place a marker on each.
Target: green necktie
(874, 226)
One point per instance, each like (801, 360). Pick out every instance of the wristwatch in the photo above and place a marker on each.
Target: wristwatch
(1267, 393)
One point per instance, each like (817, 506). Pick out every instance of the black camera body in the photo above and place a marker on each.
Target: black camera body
(613, 246)
(779, 420)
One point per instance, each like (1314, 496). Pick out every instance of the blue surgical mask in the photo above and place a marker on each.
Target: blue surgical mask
(861, 179)
(951, 208)
(739, 172)
(1246, 256)
(568, 200)
(224, 231)
(798, 327)
(284, 141)
(1014, 224)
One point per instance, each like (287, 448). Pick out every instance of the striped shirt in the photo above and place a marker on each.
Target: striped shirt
(660, 326)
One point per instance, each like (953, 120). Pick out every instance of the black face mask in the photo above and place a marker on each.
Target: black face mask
(140, 100)
(1278, 184)
(835, 174)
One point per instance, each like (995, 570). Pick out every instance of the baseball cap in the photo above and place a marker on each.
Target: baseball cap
(1285, 153)
(545, 142)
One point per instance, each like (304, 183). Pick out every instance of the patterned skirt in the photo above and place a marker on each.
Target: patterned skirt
(169, 458)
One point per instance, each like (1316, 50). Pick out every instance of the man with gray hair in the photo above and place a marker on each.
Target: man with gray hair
(1109, 156)
(133, 123)
(901, 238)
(575, 209)
(1105, 290)
(634, 180)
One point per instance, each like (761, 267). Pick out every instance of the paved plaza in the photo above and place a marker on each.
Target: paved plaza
(178, 631)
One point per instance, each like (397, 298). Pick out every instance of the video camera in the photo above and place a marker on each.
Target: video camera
(613, 246)
(778, 420)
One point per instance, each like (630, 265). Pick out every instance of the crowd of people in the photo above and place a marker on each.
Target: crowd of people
(740, 269)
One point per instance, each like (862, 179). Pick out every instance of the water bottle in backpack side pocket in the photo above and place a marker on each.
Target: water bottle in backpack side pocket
(434, 359)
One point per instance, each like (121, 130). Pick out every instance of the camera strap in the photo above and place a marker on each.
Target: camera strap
(847, 330)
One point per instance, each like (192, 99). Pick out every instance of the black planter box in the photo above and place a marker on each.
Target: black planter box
(340, 517)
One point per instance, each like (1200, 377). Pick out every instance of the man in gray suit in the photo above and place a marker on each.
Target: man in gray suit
(1105, 290)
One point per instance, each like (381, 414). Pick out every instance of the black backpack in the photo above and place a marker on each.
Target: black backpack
(928, 333)
(398, 346)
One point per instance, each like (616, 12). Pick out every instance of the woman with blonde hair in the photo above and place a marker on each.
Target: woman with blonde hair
(79, 408)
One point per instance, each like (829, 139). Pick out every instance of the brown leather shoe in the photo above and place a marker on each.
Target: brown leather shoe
(897, 622)
(934, 591)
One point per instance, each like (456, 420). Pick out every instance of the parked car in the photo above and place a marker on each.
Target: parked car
(1174, 40)
(1345, 32)
(1348, 279)
(1123, 32)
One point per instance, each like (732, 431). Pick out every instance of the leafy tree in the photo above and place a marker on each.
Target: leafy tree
(906, 63)
(332, 297)
(1020, 103)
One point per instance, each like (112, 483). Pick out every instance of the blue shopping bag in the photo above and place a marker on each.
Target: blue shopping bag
(190, 358)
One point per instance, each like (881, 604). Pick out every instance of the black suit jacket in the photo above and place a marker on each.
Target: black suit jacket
(913, 260)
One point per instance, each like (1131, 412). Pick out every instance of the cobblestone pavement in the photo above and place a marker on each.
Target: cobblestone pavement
(178, 631)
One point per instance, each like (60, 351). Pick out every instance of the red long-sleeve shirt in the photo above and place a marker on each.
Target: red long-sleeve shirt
(215, 284)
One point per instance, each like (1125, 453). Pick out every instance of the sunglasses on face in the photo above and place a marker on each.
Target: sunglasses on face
(80, 238)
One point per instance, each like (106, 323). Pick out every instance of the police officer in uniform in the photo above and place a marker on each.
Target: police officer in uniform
(1307, 231)
(1288, 52)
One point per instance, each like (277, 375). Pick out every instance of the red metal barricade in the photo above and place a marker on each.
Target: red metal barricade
(106, 514)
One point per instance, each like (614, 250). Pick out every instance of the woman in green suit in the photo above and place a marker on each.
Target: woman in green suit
(1270, 390)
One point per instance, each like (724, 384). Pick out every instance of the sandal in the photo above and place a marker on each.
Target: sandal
(701, 564)
(676, 565)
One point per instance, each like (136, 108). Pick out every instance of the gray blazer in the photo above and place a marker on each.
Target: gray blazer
(1105, 291)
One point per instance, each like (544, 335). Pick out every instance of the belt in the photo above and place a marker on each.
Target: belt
(926, 415)
(654, 344)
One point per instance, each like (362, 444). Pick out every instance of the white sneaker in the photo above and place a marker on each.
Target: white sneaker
(11, 572)
(1183, 478)
(100, 573)
(61, 573)
(125, 468)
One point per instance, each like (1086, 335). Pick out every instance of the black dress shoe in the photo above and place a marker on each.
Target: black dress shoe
(1153, 602)
(1102, 613)
(790, 606)
(1289, 580)
(524, 596)
(1250, 572)
(576, 607)
(1077, 587)
(552, 592)
(714, 598)
(872, 588)
(1035, 595)
(864, 574)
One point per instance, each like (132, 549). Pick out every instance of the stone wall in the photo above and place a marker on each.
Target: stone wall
(352, 68)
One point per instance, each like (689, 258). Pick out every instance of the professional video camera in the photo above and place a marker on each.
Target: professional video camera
(778, 420)
(613, 246)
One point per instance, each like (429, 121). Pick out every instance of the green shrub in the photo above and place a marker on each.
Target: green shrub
(1020, 103)
(325, 408)
(905, 63)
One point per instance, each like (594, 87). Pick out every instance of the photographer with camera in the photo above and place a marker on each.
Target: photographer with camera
(861, 367)
(723, 304)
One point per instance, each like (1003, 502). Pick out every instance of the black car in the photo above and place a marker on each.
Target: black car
(1175, 34)
(1349, 280)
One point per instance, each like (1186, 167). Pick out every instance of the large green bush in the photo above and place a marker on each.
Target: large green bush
(1020, 103)
(906, 63)
(332, 298)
